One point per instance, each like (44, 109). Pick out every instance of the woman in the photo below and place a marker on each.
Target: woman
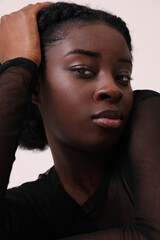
(105, 182)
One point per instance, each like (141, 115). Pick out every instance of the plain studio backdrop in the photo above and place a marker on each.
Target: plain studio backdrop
(142, 18)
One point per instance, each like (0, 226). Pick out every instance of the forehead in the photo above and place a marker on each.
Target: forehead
(97, 37)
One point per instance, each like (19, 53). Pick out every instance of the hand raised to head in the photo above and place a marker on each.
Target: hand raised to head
(19, 35)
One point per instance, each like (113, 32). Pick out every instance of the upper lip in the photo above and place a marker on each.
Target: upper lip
(111, 114)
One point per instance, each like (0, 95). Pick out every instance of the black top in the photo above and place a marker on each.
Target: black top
(126, 203)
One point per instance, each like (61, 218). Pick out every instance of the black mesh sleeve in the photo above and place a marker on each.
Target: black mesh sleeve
(144, 156)
(17, 79)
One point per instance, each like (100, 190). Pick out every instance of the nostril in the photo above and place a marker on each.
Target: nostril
(108, 94)
(103, 96)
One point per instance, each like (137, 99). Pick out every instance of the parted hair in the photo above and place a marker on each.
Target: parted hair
(53, 23)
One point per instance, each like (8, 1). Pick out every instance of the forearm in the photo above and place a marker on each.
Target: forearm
(126, 233)
(144, 154)
(15, 91)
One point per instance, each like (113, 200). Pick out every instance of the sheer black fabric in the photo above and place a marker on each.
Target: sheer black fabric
(144, 158)
(16, 83)
(15, 90)
(124, 207)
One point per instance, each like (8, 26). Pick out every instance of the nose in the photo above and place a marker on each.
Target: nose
(107, 89)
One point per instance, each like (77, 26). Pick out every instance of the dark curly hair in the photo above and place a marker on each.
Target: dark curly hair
(53, 22)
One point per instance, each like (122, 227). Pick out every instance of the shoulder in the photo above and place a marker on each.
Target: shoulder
(35, 189)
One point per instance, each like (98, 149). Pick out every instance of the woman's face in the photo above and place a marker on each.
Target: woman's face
(86, 96)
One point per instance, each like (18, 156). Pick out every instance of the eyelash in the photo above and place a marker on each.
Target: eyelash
(120, 78)
(80, 72)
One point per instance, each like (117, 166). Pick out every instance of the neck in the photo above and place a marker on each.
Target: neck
(79, 172)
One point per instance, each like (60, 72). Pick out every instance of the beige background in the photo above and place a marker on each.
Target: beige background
(143, 18)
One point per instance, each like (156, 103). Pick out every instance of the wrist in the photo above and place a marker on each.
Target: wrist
(21, 62)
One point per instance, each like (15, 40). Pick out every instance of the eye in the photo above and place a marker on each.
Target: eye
(123, 79)
(83, 72)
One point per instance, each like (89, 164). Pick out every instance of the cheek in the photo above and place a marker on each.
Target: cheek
(63, 106)
(64, 97)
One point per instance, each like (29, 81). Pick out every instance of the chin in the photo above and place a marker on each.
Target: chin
(97, 146)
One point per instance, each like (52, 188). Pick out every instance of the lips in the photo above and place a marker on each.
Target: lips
(108, 119)
(111, 114)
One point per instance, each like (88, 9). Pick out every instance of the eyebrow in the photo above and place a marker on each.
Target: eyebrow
(84, 52)
(95, 54)
(125, 60)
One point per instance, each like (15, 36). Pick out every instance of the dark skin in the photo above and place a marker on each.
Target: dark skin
(76, 87)
(78, 144)
(20, 41)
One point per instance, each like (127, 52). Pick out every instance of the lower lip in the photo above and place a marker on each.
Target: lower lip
(108, 123)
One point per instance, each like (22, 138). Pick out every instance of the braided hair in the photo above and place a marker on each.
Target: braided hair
(53, 23)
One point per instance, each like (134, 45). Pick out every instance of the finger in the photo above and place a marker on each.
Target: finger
(2, 19)
(35, 8)
(32, 8)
